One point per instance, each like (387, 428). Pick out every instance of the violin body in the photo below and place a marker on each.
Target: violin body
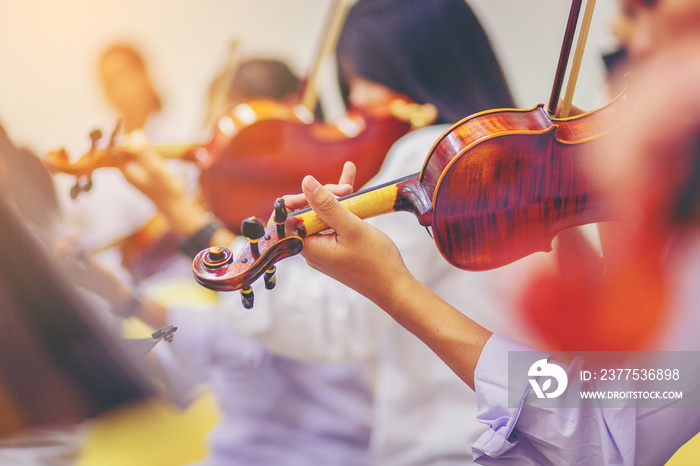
(496, 187)
(503, 184)
(262, 149)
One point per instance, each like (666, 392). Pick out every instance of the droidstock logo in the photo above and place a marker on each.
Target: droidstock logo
(542, 368)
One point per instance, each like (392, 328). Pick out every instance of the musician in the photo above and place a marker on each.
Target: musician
(26, 187)
(420, 407)
(654, 181)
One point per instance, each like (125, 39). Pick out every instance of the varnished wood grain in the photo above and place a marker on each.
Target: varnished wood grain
(518, 179)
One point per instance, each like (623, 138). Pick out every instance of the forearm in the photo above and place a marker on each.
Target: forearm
(186, 216)
(184, 213)
(454, 337)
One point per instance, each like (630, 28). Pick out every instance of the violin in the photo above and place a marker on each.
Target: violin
(497, 186)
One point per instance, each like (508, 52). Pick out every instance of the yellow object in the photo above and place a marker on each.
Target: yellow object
(688, 454)
(151, 434)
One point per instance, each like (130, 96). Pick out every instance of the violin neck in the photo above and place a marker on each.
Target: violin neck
(175, 151)
(405, 194)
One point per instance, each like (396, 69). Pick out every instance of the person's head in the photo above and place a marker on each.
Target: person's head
(645, 27)
(255, 78)
(127, 85)
(430, 51)
(262, 78)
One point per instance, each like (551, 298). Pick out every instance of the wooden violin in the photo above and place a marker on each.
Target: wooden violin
(111, 156)
(497, 186)
(265, 148)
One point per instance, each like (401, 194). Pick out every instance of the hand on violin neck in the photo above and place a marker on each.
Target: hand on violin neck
(354, 253)
(147, 173)
(342, 188)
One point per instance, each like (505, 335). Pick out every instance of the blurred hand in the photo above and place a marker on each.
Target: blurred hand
(148, 173)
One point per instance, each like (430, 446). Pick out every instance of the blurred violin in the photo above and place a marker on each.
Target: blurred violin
(264, 148)
(112, 156)
(497, 186)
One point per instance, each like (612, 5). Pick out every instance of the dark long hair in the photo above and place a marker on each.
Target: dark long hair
(432, 51)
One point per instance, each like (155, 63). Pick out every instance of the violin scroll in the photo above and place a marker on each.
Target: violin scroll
(217, 269)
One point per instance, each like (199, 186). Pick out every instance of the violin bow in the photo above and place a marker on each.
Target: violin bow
(225, 77)
(564, 57)
(578, 57)
(309, 92)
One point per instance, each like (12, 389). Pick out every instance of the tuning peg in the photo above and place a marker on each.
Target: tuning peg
(87, 186)
(95, 135)
(280, 216)
(270, 279)
(247, 297)
(253, 229)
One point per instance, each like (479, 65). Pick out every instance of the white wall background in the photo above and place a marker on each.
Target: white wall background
(49, 94)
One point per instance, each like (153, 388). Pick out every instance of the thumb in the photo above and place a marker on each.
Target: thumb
(327, 207)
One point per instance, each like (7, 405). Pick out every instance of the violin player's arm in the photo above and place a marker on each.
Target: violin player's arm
(148, 173)
(365, 259)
